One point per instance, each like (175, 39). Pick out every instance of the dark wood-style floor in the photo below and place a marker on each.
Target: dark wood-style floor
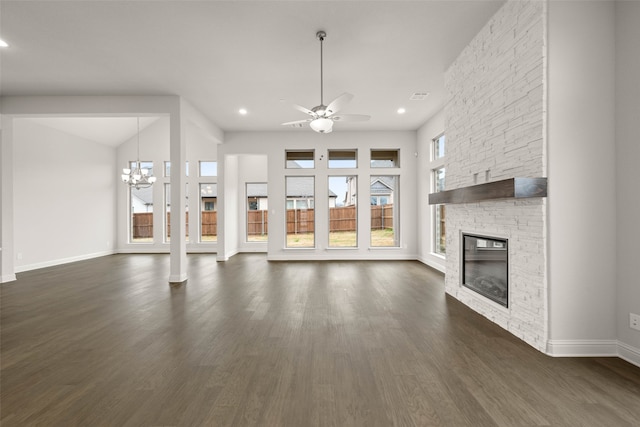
(107, 342)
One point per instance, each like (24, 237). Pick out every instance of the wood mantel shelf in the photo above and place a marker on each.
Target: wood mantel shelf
(512, 188)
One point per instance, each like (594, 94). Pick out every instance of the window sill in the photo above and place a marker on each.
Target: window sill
(342, 248)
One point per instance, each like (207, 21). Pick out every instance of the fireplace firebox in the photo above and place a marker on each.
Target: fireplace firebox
(485, 267)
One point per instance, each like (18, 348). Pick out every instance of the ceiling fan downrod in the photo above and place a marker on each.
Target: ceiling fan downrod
(320, 35)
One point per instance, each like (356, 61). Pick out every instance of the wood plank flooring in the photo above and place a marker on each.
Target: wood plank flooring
(107, 342)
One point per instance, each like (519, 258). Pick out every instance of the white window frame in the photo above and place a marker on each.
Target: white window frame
(435, 164)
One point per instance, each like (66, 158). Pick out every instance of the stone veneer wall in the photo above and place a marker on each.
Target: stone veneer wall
(495, 127)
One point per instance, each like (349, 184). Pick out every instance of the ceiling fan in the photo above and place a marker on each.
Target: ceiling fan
(323, 116)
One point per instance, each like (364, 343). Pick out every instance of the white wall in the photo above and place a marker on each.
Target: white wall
(628, 174)
(7, 261)
(64, 197)
(427, 132)
(229, 198)
(582, 177)
(274, 144)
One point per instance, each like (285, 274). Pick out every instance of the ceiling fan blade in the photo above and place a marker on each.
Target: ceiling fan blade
(296, 122)
(351, 118)
(304, 110)
(338, 103)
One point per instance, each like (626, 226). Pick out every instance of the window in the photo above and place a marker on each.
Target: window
(167, 169)
(438, 179)
(143, 165)
(438, 147)
(208, 168)
(385, 211)
(385, 158)
(343, 214)
(141, 208)
(343, 159)
(299, 159)
(300, 223)
(208, 212)
(167, 205)
(257, 212)
(438, 184)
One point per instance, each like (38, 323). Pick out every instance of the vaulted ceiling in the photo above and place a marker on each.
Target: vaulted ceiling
(260, 55)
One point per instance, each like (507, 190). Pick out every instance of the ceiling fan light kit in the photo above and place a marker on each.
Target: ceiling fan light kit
(322, 125)
(322, 116)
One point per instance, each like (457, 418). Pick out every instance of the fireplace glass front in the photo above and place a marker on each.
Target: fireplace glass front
(485, 267)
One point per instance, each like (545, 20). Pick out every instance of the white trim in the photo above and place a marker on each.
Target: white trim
(60, 261)
(165, 250)
(594, 348)
(436, 266)
(629, 353)
(222, 257)
(143, 250)
(340, 256)
(178, 278)
(582, 348)
(7, 278)
(252, 250)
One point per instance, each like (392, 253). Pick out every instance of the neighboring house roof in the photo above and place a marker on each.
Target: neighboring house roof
(303, 188)
(144, 195)
(257, 190)
(296, 188)
(382, 184)
(382, 164)
(209, 190)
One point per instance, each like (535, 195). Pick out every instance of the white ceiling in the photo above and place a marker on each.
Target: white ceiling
(258, 55)
(111, 131)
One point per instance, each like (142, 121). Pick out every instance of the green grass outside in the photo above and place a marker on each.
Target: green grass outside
(379, 238)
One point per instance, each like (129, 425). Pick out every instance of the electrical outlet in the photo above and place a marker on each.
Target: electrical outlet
(634, 321)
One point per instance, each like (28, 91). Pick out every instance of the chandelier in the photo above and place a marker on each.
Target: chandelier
(138, 177)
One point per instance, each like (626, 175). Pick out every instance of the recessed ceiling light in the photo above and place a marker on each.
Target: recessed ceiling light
(401, 110)
(243, 111)
(419, 96)
(3, 43)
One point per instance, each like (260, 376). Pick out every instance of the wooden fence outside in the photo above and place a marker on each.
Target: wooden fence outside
(209, 223)
(258, 223)
(381, 217)
(298, 221)
(143, 224)
(342, 218)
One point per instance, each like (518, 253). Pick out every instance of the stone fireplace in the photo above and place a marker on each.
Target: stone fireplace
(495, 124)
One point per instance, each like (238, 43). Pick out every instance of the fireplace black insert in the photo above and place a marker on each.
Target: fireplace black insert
(485, 267)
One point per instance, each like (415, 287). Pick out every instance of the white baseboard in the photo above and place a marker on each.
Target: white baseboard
(593, 348)
(222, 257)
(61, 261)
(582, 348)
(628, 353)
(333, 255)
(441, 268)
(178, 278)
(7, 278)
